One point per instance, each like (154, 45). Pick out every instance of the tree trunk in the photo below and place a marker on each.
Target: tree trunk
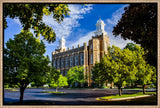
(132, 84)
(56, 89)
(120, 90)
(21, 93)
(144, 89)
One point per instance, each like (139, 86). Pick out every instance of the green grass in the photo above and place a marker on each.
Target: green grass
(12, 89)
(127, 95)
(54, 92)
(133, 88)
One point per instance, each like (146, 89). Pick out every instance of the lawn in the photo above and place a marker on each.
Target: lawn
(54, 92)
(12, 89)
(127, 95)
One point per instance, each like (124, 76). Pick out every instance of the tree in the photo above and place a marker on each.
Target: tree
(61, 82)
(139, 23)
(53, 76)
(124, 66)
(118, 67)
(146, 73)
(75, 75)
(25, 61)
(30, 16)
(97, 73)
(130, 46)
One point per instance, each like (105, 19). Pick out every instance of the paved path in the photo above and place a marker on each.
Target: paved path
(73, 96)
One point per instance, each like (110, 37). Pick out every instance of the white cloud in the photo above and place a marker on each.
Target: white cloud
(117, 41)
(116, 16)
(83, 39)
(65, 28)
(16, 20)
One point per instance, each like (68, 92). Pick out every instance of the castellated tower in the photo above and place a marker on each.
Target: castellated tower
(85, 56)
(98, 46)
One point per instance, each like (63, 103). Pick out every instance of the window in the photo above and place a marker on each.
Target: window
(76, 60)
(65, 72)
(91, 46)
(98, 27)
(61, 72)
(54, 63)
(91, 59)
(66, 65)
(91, 75)
(62, 60)
(82, 59)
(57, 63)
(71, 60)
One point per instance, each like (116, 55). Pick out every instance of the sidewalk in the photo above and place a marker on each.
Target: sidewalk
(118, 99)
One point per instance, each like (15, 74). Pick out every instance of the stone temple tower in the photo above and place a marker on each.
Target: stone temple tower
(98, 47)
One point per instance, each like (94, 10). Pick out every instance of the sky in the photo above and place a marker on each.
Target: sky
(78, 27)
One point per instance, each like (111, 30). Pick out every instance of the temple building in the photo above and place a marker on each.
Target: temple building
(87, 55)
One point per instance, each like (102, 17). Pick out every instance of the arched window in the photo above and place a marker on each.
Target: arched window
(66, 60)
(82, 59)
(71, 60)
(57, 63)
(76, 60)
(54, 63)
(62, 60)
(91, 59)
(91, 46)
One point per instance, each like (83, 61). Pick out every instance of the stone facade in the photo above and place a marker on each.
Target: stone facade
(85, 56)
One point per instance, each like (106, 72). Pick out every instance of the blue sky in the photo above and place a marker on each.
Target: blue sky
(79, 27)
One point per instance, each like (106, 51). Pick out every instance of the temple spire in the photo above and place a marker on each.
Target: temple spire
(62, 43)
(100, 27)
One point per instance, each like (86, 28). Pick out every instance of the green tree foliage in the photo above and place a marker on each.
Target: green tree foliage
(146, 73)
(75, 75)
(124, 66)
(139, 23)
(97, 71)
(61, 82)
(130, 46)
(53, 75)
(24, 62)
(30, 16)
